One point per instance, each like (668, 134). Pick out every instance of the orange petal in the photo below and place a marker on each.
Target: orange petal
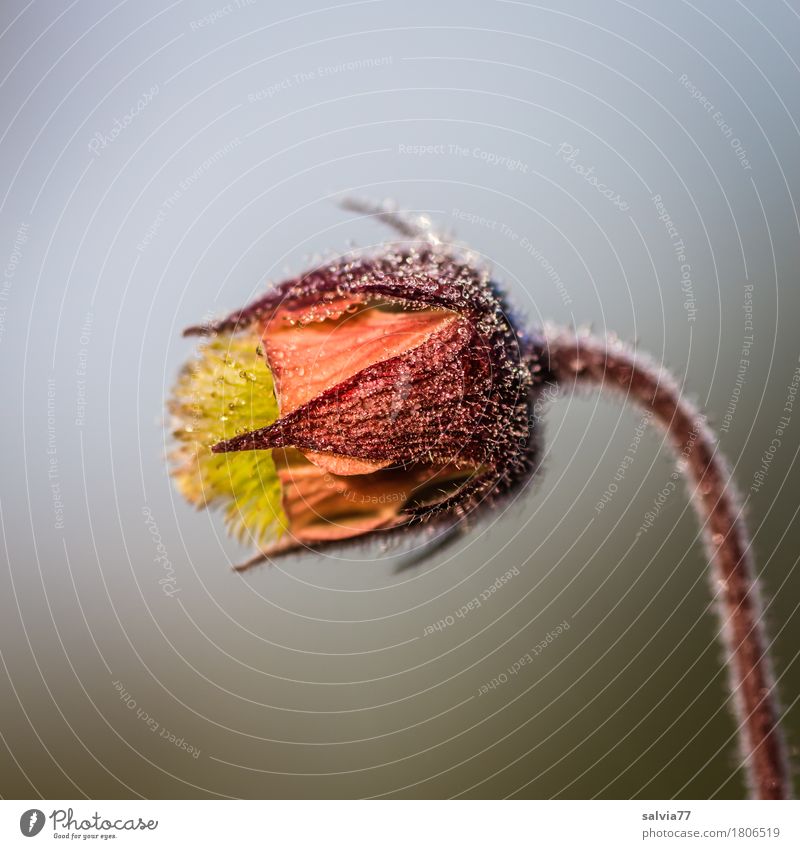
(313, 349)
(324, 507)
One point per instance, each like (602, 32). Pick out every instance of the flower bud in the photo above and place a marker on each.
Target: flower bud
(386, 390)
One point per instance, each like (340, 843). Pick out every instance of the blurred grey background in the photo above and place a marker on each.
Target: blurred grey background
(629, 166)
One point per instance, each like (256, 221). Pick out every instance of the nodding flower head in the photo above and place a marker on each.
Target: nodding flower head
(365, 395)
(380, 391)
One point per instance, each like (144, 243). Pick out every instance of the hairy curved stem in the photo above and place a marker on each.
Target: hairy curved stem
(586, 360)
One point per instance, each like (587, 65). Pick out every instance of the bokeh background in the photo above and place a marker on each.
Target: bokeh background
(633, 167)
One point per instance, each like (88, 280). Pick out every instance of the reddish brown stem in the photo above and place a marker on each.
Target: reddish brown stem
(586, 360)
